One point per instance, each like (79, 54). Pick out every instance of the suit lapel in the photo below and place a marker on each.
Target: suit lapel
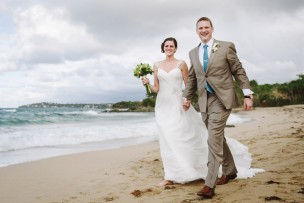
(212, 55)
(196, 50)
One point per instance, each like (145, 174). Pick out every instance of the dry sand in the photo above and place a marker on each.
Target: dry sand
(274, 137)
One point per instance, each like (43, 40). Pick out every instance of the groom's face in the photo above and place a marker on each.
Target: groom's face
(204, 31)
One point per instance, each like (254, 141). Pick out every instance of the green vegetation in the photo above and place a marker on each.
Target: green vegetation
(133, 106)
(266, 95)
(147, 105)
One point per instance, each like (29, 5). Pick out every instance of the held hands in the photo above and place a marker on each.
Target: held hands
(186, 104)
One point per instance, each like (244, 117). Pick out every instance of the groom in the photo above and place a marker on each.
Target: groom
(214, 64)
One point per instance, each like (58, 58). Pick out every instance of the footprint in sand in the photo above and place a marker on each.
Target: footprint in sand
(190, 200)
(110, 197)
(271, 198)
(149, 191)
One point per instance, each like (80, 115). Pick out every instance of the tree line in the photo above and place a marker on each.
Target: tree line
(279, 94)
(265, 95)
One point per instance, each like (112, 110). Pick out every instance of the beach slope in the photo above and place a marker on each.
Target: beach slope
(274, 137)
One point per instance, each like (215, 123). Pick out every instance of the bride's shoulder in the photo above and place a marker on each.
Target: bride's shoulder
(157, 64)
(181, 61)
(181, 64)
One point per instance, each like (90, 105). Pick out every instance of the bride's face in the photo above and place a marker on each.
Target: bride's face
(169, 48)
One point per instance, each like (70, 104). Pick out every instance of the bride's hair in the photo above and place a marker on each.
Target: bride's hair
(168, 39)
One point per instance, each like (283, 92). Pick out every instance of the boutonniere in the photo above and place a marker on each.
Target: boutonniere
(215, 47)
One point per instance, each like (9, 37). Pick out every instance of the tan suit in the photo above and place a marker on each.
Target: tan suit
(223, 65)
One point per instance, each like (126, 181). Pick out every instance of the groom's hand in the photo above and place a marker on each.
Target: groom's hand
(186, 104)
(248, 104)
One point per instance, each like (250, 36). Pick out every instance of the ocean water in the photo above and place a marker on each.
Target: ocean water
(28, 134)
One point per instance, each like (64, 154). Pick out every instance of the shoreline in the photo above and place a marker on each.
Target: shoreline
(40, 153)
(274, 136)
(42, 149)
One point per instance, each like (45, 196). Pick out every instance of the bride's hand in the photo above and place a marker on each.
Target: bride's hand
(186, 104)
(145, 80)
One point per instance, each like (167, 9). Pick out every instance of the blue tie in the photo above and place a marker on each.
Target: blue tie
(208, 87)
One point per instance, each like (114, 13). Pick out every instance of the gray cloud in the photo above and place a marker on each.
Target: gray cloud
(85, 51)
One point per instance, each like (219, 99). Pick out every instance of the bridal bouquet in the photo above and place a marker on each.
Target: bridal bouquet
(141, 70)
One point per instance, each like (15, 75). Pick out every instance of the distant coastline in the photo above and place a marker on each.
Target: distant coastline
(57, 105)
(105, 107)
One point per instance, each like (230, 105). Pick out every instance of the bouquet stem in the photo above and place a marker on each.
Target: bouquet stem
(148, 89)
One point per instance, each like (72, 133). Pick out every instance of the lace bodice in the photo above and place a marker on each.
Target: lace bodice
(170, 83)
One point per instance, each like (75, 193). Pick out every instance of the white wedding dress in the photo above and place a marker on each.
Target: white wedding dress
(183, 135)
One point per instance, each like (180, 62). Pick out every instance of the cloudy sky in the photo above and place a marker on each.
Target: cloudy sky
(84, 51)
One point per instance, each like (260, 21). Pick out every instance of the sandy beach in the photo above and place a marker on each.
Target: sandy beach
(275, 137)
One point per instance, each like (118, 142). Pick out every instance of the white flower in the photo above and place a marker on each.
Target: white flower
(215, 47)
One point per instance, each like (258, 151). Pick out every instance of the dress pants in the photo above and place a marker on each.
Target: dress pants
(219, 153)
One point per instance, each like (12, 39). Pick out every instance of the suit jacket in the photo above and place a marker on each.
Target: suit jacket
(223, 66)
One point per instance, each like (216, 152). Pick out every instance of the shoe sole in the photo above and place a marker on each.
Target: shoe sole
(205, 196)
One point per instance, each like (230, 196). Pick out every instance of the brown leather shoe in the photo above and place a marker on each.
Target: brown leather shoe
(225, 179)
(206, 192)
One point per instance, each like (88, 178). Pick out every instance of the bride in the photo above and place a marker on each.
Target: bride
(182, 134)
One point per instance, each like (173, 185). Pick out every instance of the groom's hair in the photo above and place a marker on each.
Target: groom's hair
(204, 19)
